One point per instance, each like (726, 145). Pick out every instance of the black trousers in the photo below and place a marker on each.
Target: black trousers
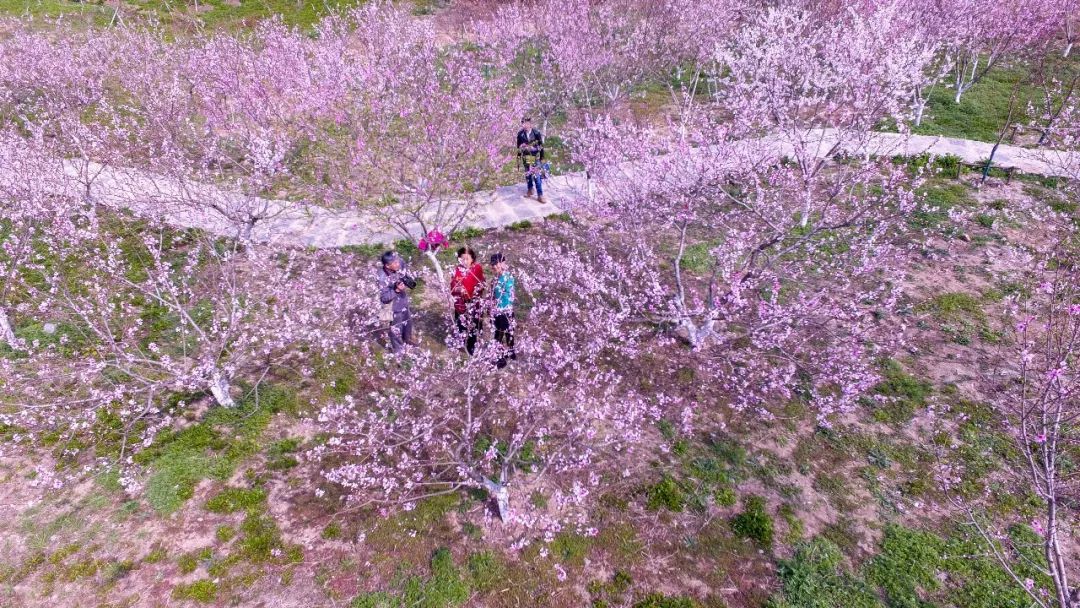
(469, 325)
(504, 334)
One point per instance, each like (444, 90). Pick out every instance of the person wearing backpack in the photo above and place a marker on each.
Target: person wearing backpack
(530, 146)
(394, 281)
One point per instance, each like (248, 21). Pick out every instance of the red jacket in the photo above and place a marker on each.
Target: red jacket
(466, 285)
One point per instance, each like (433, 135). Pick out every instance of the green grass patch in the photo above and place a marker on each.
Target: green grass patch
(486, 570)
(982, 110)
(610, 592)
(697, 258)
(211, 448)
(222, 15)
(225, 533)
(367, 251)
(469, 233)
(446, 586)
(912, 569)
(754, 522)
(659, 600)
(203, 591)
(899, 395)
(231, 500)
(815, 577)
(665, 494)
(961, 317)
(280, 454)
(937, 199)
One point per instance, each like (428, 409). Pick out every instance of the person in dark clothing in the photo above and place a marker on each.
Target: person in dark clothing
(530, 146)
(467, 286)
(502, 307)
(394, 281)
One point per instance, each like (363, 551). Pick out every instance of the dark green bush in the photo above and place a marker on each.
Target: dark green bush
(666, 494)
(754, 523)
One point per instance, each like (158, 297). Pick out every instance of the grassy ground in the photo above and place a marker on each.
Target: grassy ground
(982, 110)
(740, 513)
(209, 14)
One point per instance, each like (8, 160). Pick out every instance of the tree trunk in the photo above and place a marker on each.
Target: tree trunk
(1052, 551)
(1068, 49)
(7, 332)
(920, 107)
(247, 229)
(961, 87)
(696, 334)
(1004, 129)
(437, 265)
(219, 387)
(502, 497)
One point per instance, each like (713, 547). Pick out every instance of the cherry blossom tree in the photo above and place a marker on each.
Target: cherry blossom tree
(776, 302)
(822, 88)
(580, 53)
(1069, 12)
(37, 224)
(454, 423)
(982, 39)
(776, 298)
(421, 129)
(1036, 391)
(181, 310)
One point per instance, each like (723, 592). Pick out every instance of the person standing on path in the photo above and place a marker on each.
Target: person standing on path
(466, 287)
(394, 281)
(502, 312)
(530, 146)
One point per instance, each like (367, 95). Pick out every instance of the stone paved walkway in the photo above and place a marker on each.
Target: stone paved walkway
(291, 223)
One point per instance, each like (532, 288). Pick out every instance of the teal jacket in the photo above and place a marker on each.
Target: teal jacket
(503, 292)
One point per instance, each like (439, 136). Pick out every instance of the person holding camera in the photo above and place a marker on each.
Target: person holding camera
(394, 282)
(530, 146)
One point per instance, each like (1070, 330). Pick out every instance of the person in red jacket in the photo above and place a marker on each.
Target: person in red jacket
(466, 286)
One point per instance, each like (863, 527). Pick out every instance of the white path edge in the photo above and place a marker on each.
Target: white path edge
(297, 224)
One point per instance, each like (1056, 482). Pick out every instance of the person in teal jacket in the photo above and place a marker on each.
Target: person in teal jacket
(502, 309)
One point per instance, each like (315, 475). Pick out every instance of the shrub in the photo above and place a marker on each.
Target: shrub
(332, 531)
(754, 523)
(666, 494)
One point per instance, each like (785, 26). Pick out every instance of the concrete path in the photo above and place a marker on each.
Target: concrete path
(297, 224)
